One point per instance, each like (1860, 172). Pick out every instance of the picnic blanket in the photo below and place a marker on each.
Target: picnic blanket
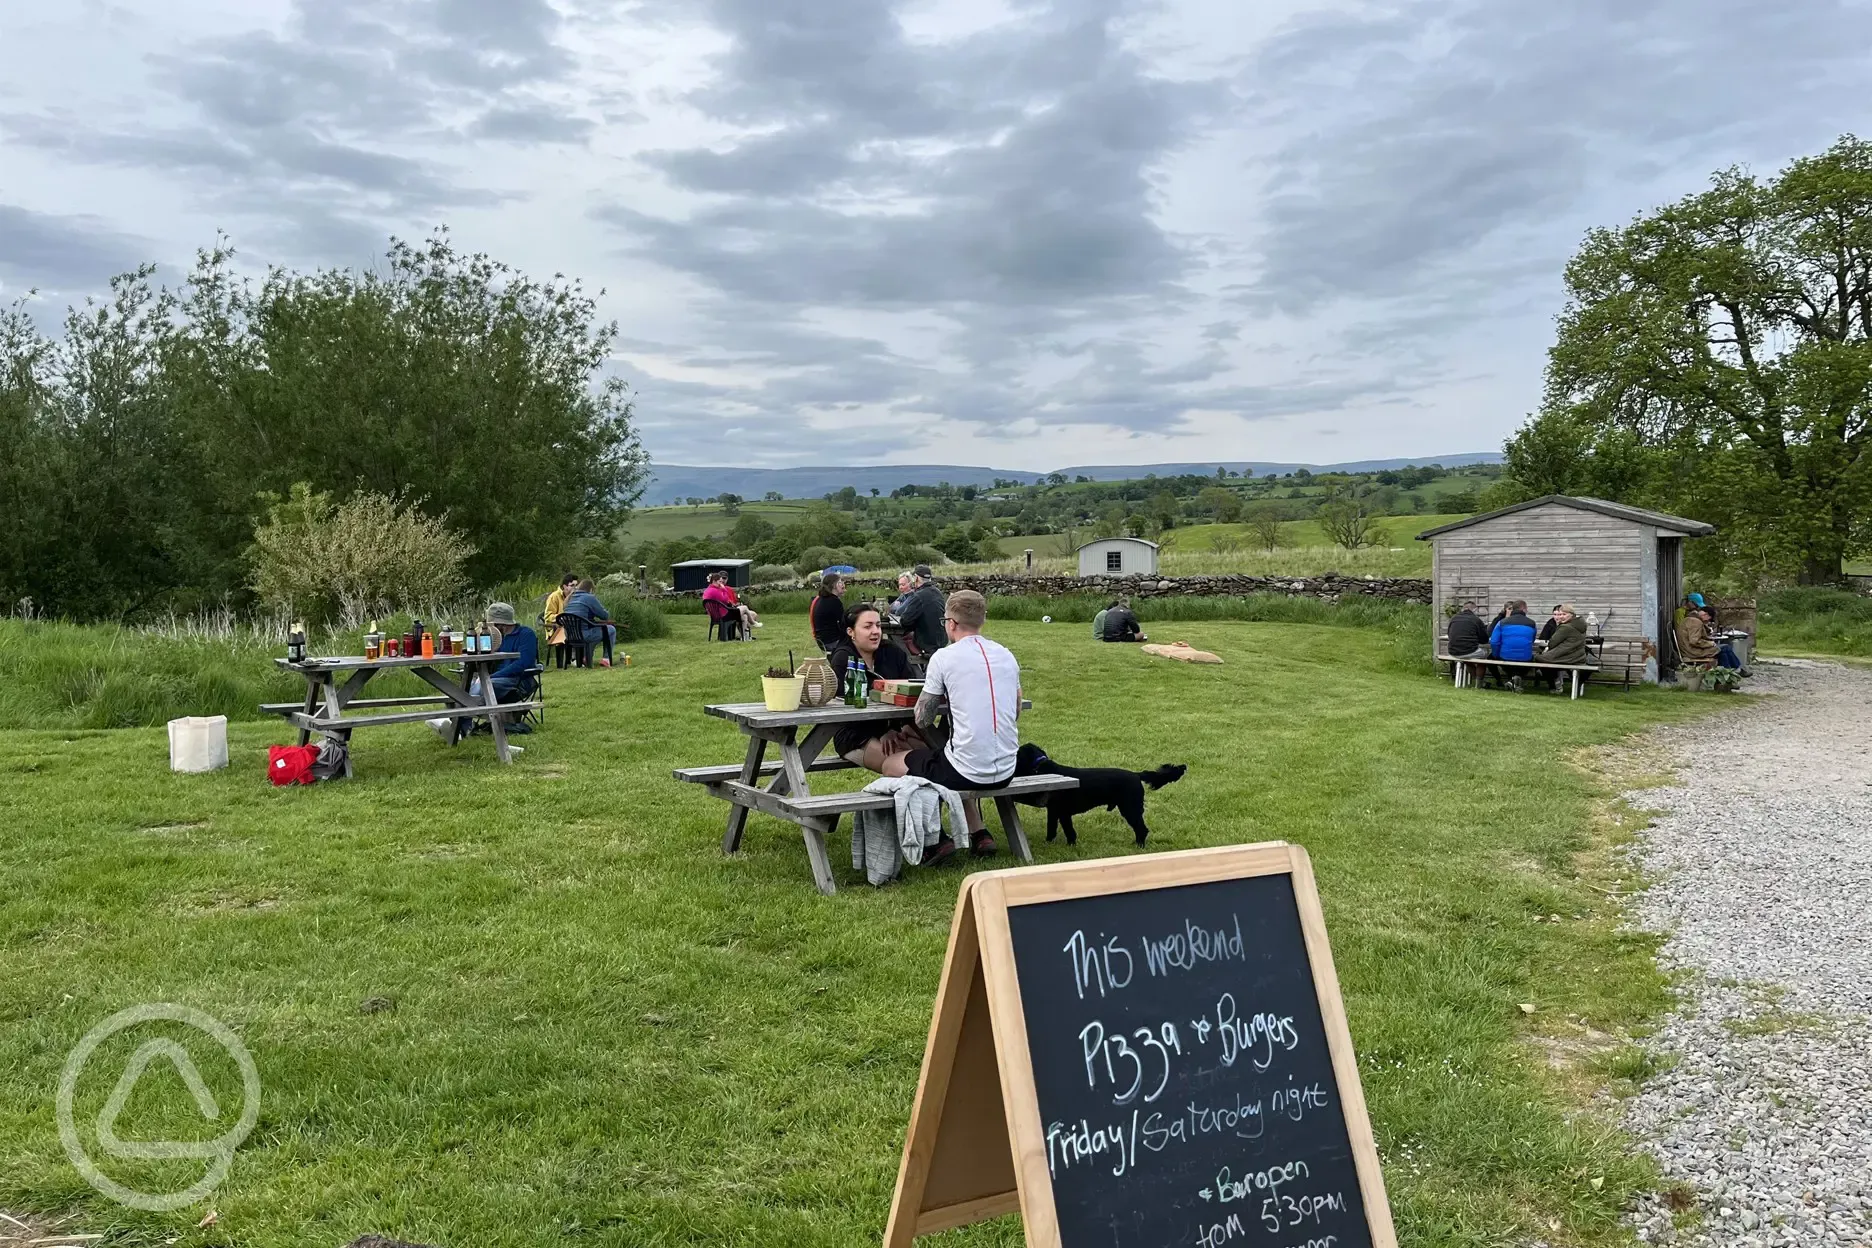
(1180, 650)
(883, 840)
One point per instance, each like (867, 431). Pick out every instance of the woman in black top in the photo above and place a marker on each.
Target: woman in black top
(828, 613)
(869, 744)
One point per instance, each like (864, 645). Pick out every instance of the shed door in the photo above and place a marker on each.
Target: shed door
(1669, 594)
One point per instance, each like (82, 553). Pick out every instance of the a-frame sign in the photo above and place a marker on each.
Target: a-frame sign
(1143, 1051)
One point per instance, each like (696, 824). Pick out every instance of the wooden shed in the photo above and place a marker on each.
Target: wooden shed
(1622, 564)
(1118, 556)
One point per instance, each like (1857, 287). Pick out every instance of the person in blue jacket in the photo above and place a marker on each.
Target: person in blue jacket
(511, 679)
(1513, 640)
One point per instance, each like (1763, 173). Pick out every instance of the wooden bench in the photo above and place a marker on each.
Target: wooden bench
(1579, 672)
(818, 815)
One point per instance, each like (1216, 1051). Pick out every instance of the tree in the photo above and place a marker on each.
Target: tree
(1225, 505)
(749, 531)
(695, 502)
(1267, 521)
(874, 491)
(1718, 355)
(775, 496)
(1347, 523)
(730, 503)
(1056, 478)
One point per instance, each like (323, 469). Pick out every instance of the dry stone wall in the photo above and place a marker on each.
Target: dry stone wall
(1329, 588)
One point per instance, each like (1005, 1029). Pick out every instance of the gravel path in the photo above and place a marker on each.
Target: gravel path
(1763, 859)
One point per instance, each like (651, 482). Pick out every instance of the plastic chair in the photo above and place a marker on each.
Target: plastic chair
(724, 621)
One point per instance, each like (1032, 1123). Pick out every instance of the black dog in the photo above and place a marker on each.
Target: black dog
(1110, 787)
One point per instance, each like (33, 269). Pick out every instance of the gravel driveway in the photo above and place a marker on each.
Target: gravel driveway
(1763, 861)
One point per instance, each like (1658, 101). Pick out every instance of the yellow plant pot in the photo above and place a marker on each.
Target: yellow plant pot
(783, 692)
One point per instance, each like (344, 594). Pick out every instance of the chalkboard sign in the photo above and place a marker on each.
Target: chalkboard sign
(1144, 1052)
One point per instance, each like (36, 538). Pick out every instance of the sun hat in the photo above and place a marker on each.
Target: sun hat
(500, 613)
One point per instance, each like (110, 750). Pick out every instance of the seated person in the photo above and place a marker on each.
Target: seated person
(974, 685)
(905, 583)
(1513, 639)
(1567, 645)
(1098, 621)
(1552, 622)
(555, 601)
(1695, 646)
(869, 744)
(1121, 624)
(585, 605)
(1466, 633)
(513, 679)
(828, 612)
(922, 613)
(720, 591)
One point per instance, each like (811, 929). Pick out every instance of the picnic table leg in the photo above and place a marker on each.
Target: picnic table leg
(750, 774)
(335, 700)
(491, 700)
(1011, 824)
(816, 831)
(311, 704)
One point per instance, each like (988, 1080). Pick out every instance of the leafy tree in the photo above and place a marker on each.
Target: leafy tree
(874, 491)
(1267, 522)
(775, 496)
(370, 555)
(1717, 355)
(750, 531)
(1056, 478)
(1348, 523)
(730, 504)
(1225, 505)
(444, 376)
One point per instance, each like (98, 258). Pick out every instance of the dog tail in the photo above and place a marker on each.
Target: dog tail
(1169, 773)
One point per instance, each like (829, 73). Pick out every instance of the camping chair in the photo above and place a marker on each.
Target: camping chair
(724, 622)
(578, 642)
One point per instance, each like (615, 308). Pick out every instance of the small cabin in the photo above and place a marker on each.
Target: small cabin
(1118, 556)
(694, 573)
(1621, 565)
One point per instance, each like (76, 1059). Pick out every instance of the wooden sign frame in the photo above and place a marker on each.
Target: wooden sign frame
(977, 1086)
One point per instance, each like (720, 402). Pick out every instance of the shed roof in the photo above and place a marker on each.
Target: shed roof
(1135, 541)
(711, 563)
(1618, 511)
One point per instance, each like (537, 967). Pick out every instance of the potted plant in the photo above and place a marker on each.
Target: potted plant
(782, 689)
(1724, 680)
(1692, 678)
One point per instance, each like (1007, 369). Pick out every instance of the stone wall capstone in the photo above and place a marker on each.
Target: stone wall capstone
(1330, 588)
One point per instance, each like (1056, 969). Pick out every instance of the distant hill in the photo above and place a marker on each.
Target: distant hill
(674, 482)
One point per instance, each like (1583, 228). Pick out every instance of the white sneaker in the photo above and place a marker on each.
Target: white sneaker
(444, 727)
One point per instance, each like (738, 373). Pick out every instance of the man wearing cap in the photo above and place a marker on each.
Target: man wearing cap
(922, 613)
(511, 679)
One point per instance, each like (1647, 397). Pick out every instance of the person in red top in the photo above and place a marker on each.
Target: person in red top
(719, 590)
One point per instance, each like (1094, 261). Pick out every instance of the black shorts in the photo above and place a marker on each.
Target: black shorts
(849, 737)
(935, 767)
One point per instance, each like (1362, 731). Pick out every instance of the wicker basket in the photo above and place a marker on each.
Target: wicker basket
(822, 686)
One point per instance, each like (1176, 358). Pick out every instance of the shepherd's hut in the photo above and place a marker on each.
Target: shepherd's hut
(1622, 565)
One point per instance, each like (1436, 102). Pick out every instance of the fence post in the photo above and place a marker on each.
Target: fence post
(1030, 558)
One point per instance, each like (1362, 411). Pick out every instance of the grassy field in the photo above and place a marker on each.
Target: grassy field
(587, 1026)
(662, 524)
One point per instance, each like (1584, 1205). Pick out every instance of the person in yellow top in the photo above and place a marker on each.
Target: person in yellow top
(555, 604)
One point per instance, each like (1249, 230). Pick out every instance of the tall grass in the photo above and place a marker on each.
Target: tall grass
(1817, 621)
(59, 675)
(1195, 560)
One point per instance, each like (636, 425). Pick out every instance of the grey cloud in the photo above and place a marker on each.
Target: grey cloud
(63, 253)
(1425, 145)
(531, 123)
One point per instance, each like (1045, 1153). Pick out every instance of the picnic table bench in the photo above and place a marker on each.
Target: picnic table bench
(327, 700)
(1578, 671)
(788, 795)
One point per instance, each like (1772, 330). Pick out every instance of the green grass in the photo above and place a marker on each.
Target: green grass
(1816, 621)
(663, 524)
(604, 1032)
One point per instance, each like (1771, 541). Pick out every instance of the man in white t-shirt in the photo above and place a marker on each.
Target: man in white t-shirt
(974, 684)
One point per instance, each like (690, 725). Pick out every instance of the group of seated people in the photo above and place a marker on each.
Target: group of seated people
(917, 611)
(964, 734)
(723, 604)
(1117, 622)
(1697, 642)
(577, 597)
(1512, 637)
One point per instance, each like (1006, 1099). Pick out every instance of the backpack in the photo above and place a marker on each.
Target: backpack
(291, 764)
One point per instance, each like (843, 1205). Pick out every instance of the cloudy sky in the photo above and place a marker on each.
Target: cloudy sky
(1021, 233)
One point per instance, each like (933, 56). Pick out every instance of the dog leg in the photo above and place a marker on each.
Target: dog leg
(1072, 833)
(1052, 821)
(1134, 815)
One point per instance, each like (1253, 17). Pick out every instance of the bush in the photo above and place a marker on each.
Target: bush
(773, 573)
(1815, 619)
(368, 556)
(636, 618)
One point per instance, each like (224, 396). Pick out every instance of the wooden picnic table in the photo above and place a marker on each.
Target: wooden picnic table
(1480, 660)
(788, 795)
(327, 699)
